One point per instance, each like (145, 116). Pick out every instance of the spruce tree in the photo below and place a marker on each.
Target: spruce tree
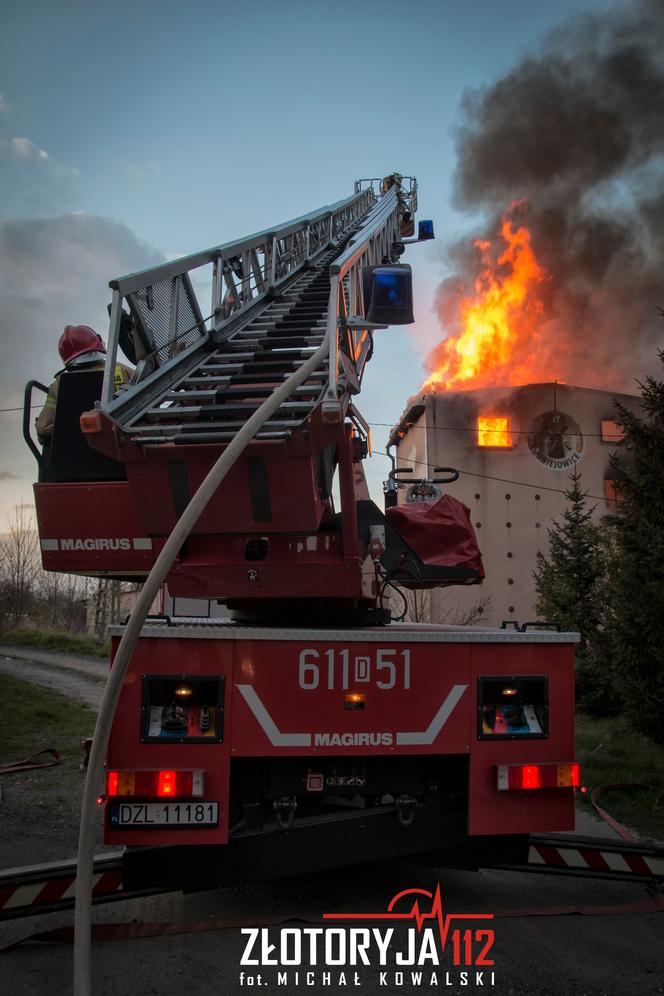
(568, 584)
(637, 618)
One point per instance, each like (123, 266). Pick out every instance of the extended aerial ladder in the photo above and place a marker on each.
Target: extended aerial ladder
(271, 534)
(312, 733)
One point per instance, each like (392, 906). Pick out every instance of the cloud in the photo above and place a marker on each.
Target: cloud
(24, 148)
(31, 181)
(53, 272)
(6, 475)
(143, 172)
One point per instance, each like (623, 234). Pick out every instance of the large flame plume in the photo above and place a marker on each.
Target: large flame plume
(566, 286)
(499, 323)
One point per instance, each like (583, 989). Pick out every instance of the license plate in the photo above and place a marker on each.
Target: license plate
(140, 815)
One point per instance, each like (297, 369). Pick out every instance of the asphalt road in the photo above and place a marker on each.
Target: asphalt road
(602, 948)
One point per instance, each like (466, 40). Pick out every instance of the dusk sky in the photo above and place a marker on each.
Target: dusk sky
(131, 132)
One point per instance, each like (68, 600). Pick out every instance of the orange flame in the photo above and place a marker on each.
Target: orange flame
(493, 430)
(499, 324)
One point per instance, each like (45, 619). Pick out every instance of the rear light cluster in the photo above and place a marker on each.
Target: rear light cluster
(537, 776)
(163, 784)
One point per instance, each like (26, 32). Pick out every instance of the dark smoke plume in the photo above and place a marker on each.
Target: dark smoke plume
(577, 131)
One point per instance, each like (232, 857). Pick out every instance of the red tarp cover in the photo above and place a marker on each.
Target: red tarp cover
(440, 533)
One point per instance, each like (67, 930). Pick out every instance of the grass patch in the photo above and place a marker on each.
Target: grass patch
(40, 808)
(46, 639)
(40, 718)
(610, 751)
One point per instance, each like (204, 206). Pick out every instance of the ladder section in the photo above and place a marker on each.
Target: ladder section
(213, 400)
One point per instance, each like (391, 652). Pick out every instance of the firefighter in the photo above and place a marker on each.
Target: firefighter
(80, 348)
(393, 179)
(406, 223)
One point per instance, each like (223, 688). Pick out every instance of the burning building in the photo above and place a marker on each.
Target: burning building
(560, 163)
(515, 445)
(514, 449)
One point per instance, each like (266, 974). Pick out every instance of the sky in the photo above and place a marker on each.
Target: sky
(139, 131)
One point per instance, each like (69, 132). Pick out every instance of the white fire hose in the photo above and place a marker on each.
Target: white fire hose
(154, 581)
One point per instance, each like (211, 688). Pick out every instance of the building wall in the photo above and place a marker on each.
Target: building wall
(513, 493)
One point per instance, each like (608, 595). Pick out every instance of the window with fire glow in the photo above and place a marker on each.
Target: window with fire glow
(494, 431)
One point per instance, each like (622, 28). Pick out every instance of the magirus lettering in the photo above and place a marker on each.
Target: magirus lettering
(353, 739)
(101, 543)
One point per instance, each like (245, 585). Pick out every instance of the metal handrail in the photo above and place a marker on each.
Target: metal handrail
(371, 245)
(27, 416)
(243, 273)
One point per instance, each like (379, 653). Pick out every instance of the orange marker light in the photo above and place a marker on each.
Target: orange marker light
(90, 422)
(354, 700)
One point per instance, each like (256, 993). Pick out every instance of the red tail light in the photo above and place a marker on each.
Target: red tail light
(166, 783)
(537, 776)
(162, 784)
(530, 777)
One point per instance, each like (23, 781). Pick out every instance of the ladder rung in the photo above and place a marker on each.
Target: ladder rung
(206, 380)
(230, 425)
(205, 438)
(242, 388)
(230, 409)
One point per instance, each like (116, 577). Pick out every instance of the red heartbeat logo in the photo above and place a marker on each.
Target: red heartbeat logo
(436, 913)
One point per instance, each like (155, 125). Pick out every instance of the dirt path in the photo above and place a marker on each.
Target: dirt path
(39, 810)
(79, 678)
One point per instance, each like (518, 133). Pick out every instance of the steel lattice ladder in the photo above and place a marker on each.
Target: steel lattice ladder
(216, 397)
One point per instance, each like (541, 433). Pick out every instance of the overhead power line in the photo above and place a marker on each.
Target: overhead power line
(473, 430)
(488, 477)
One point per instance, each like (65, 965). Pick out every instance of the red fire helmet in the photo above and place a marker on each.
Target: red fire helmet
(76, 340)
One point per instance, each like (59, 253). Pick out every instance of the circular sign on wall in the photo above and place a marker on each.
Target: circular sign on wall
(555, 438)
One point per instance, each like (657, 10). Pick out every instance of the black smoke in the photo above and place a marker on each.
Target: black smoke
(576, 132)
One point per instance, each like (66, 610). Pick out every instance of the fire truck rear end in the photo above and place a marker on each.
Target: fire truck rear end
(308, 729)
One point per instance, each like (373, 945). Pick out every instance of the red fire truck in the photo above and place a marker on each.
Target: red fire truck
(308, 728)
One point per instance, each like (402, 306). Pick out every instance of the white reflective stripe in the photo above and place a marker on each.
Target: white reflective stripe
(437, 723)
(656, 866)
(142, 543)
(572, 858)
(616, 862)
(71, 888)
(49, 545)
(534, 856)
(25, 895)
(276, 738)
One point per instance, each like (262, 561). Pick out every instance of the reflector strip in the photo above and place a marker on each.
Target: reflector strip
(574, 859)
(586, 858)
(45, 893)
(437, 723)
(616, 862)
(270, 728)
(279, 739)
